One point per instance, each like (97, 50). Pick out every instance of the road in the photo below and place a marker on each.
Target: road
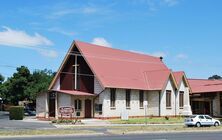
(154, 136)
(6, 124)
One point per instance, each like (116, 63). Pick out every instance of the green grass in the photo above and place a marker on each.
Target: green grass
(159, 120)
(151, 129)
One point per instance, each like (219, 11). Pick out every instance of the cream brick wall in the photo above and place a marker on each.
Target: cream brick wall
(186, 110)
(42, 105)
(82, 98)
(97, 86)
(153, 103)
(120, 105)
(168, 111)
(63, 100)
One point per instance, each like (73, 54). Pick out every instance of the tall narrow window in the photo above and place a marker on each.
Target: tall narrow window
(141, 96)
(78, 105)
(181, 97)
(168, 98)
(128, 98)
(112, 97)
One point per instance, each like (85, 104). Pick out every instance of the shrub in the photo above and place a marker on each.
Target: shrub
(16, 113)
(167, 118)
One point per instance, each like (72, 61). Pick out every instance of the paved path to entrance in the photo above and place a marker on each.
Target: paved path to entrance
(27, 123)
(93, 122)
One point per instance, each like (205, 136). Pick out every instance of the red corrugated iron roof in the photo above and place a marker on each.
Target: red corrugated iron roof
(205, 86)
(74, 92)
(178, 76)
(123, 69)
(156, 80)
(116, 68)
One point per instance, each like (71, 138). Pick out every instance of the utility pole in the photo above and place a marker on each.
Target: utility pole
(145, 108)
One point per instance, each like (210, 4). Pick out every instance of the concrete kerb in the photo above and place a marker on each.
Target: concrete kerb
(112, 125)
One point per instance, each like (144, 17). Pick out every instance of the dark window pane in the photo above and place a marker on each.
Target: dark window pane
(128, 97)
(141, 98)
(112, 97)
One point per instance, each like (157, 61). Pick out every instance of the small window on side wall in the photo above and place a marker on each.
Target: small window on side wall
(181, 99)
(112, 97)
(128, 91)
(78, 105)
(141, 98)
(168, 99)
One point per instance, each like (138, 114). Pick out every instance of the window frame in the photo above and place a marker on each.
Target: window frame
(181, 99)
(141, 99)
(78, 105)
(168, 99)
(112, 97)
(128, 98)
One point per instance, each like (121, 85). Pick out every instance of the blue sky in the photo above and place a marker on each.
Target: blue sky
(187, 33)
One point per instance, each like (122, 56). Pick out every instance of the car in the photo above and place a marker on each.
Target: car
(201, 120)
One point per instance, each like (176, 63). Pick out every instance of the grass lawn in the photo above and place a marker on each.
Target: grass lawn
(154, 120)
(152, 129)
(42, 132)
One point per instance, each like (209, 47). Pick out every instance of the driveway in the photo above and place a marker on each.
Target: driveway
(27, 123)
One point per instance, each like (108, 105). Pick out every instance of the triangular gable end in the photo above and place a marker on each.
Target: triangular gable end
(186, 82)
(172, 80)
(69, 53)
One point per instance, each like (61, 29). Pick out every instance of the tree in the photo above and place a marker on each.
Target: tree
(24, 85)
(1, 79)
(40, 81)
(215, 77)
(2, 87)
(17, 84)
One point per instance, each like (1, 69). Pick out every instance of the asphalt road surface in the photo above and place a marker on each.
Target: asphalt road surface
(6, 124)
(156, 136)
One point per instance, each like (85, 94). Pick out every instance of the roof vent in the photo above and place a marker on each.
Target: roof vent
(161, 58)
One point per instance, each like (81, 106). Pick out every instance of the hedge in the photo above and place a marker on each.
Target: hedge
(16, 113)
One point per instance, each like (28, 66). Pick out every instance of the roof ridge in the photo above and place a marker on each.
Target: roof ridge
(205, 79)
(128, 51)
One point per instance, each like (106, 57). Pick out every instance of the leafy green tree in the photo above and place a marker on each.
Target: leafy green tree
(2, 78)
(40, 80)
(215, 77)
(17, 84)
(24, 85)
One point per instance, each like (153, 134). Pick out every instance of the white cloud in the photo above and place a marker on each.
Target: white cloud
(61, 31)
(171, 2)
(48, 53)
(181, 56)
(155, 5)
(20, 39)
(64, 11)
(101, 41)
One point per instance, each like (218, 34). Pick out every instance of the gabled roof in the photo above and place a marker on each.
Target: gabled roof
(180, 76)
(205, 86)
(116, 68)
(157, 80)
